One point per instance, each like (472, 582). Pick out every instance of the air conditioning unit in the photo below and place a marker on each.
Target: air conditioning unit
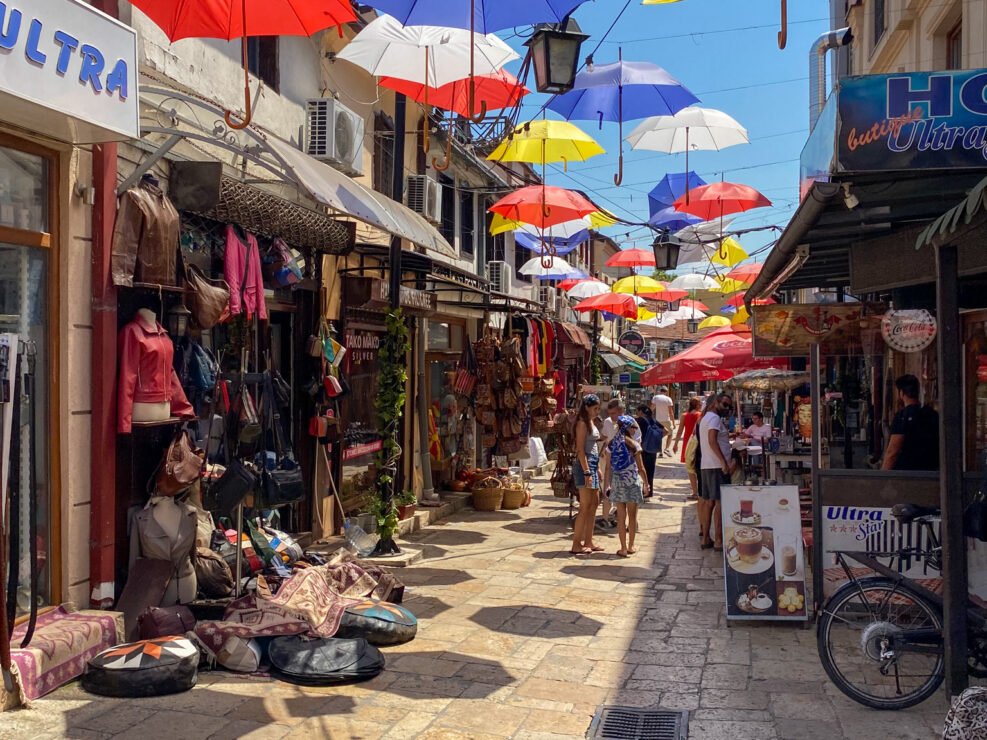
(424, 196)
(548, 298)
(334, 134)
(499, 275)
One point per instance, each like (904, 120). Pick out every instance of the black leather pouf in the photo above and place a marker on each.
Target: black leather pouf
(323, 662)
(379, 623)
(164, 665)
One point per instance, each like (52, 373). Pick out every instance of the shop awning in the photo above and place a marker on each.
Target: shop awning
(344, 194)
(577, 336)
(614, 362)
(719, 356)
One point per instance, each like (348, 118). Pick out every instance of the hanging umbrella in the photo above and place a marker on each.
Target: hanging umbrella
(538, 267)
(729, 285)
(728, 310)
(659, 322)
(542, 142)
(704, 232)
(231, 19)
(645, 314)
(566, 231)
(485, 16)
(666, 296)
(619, 304)
(588, 289)
(497, 90)
(632, 258)
(746, 273)
(685, 314)
(560, 247)
(718, 356)
(692, 303)
(694, 281)
(544, 205)
(769, 380)
(689, 129)
(741, 316)
(622, 91)
(738, 300)
(570, 283)
(670, 188)
(637, 284)
(729, 253)
(596, 220)
(714, 322)
(671, 220)
(720, 199)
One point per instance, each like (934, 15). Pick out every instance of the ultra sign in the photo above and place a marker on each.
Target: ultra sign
(67, 57)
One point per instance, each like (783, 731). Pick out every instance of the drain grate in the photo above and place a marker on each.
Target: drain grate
(630, 723)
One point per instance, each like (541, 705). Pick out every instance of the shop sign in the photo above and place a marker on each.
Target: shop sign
(354, 451)
(66, 57)
(632, 341)
(790, 330)
(908, 331)
(624, 378)
(913, 120)
(375, 294)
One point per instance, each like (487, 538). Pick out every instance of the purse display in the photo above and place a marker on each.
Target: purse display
(180, 467)
(208, 299)
(163, 621)
(213, 573)
(248, 421)
(235, 484)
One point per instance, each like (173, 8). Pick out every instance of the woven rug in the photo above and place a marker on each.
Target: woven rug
(64, 641)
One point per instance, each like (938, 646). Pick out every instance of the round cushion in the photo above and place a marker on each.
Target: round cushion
(378, 622)
(164, 665)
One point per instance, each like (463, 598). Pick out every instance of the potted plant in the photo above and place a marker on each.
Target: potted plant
(406, 502)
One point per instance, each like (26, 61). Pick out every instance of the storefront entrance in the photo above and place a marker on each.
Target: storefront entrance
(445, 344)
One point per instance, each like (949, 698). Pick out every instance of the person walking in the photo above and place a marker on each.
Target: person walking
(586, 475)
(686, 429)
(664, 409)
(651, 442)
(715, 468)
(626, 484)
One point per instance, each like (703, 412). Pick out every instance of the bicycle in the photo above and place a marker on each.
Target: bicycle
(880, 638)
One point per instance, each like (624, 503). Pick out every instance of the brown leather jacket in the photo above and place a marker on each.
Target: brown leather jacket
(145, 238)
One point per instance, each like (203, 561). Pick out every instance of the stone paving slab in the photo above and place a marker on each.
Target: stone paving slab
(518, 639)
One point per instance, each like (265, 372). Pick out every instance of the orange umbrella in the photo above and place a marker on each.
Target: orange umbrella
(498, 90)
(746, 273)
(697, 305)
(544, 205)
(619, 304)
(632, 258)
(668, 296)
(720, 199)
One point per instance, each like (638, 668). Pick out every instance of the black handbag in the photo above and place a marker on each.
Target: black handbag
(283, 486)
(324, 662)
(231, 488)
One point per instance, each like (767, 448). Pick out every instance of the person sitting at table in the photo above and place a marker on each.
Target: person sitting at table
(758, 431)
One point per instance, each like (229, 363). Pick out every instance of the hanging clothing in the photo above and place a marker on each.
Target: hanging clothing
(146, 372)
(242, 271)
(145, 238)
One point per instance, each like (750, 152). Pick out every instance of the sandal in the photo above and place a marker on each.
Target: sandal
(631, 550)
(622, 554)
(597, 548)
(706, 545)
(584, 551)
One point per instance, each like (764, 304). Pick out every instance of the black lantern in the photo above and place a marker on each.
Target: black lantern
(692, 325)
(667, 249)
(675, 305)
(177, 320)
(555, 53)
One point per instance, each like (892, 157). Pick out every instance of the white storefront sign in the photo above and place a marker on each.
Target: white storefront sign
(67, 71)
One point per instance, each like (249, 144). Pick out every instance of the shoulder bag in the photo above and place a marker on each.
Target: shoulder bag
(180, 467)
(208, 299)
(285, 484)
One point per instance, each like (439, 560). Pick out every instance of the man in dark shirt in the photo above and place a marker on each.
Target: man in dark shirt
(914, 443)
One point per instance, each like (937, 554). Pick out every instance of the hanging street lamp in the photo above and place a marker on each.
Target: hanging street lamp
(554, 50)
(667, 248)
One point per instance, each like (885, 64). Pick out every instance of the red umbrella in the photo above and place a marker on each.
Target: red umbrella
(619, 304)
(232, 19)
(570, 283)
(544, 206)
(498, 90)
(746, 273)
(718, 356)
(720, 199)
(632, 258)
(697, 305)
(668, 296)
(738, 301)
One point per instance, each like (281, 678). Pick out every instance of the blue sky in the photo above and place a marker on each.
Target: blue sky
(726, 53)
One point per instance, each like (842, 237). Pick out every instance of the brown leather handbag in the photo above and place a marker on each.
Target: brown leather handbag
(181, 466)
(208, 299)
(165, 621)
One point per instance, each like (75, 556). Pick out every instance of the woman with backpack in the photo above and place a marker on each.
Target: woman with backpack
(652, 434)
(626, 482)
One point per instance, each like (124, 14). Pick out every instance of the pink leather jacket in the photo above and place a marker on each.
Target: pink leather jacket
(242, 270)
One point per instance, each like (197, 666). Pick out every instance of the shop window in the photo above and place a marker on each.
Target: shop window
(448, 226)
(23, 185)
(262, 60)
(383, 173)
(467, 222)
(880, 21)
(954, 47)
(438, 335)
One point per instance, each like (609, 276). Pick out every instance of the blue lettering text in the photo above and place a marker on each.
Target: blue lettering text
(32, 51)
(92, 66)
(8, 36)
(68, 44)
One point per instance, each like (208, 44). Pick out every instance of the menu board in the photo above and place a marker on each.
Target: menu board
(763, 558)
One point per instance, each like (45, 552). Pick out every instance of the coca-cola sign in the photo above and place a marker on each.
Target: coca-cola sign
(908, 331)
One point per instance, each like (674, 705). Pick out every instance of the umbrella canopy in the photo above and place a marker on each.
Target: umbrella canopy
(688, 130)
(541, 142)
(694, 281)
(637, 284)
(720, 199)
(533, 243)
(769, 380)
(729, 253)
(659, 322)
(746, 273)
(717, 356)
(698, 305)
(570, 283)
(622, 91)
(552, 266)
(632, 258)
(711, 322)
(684, 314)
(741, 316)
(666, 295)
(670, 188)
(729, 285)
(385, 48)
(703, 232)
(543, 206)
(619, 304)
(500, 89)
(224, 19)
(671, 220)
(588, 289)
(488, 15)
(567, 231)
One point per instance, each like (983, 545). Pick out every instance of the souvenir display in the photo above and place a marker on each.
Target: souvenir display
(378, 622)
(164, 665)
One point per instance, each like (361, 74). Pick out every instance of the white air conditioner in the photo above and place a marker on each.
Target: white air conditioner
(334, 134)
(423, 195)
(499, 275)
(548, 298)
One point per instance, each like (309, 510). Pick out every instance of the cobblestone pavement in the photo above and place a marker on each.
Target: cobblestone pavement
(519, 640)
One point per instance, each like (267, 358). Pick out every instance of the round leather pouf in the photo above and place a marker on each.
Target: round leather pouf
(164, 665)
(379, 623)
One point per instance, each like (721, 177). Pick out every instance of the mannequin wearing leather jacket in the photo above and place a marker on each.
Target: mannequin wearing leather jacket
(145, 237)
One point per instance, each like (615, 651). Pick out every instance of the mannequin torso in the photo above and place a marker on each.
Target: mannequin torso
(149, 412)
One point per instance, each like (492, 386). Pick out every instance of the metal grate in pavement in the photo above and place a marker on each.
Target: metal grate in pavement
(630, 723)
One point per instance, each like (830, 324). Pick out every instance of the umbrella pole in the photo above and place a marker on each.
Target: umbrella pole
(248, 115)
(687, 188)
(477, 118)
(443, 166)
(619, 177)
(425, 146)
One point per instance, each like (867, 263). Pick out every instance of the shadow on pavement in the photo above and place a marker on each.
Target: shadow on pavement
(613, 572)
(528, 621)
(438, 674)
(432, 576)
(424, 607)
(450, 537)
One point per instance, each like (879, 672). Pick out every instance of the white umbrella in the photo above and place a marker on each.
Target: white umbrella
(706, 232)
(556, 267)
(563, 230)
(684, 314)
(658, 322)
(588, 289)
(691, 128)
(431, 55)
(694, 281)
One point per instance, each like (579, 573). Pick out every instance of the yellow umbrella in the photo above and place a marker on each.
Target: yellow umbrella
(741, 316)
(713, 322)
(729, 254)
(644, 314)
(541, 142)
(601, 218)
(597, 220)
(637, 284)
(729, 285)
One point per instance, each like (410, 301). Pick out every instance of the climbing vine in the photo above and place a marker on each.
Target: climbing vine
(596, 368)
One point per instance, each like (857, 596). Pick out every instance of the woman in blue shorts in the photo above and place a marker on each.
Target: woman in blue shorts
(586, 475)
(626, 489)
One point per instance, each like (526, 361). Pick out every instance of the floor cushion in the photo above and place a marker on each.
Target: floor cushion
(323, 661)
(378, 622)
(164, 665)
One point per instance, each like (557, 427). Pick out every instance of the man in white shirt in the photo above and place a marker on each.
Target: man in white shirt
(715, 468)
(664, 408)
(758, 431)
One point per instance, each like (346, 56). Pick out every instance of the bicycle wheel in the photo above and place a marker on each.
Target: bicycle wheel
(857, 647)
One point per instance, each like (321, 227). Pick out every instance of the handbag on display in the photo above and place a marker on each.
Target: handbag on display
(235, 484)
(212, 573)
(180, 467)
(207, 299)
(248, 421)
(165, 621)
(283, 486)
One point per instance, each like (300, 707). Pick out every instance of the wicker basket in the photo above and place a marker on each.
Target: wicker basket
(514, 497)
(487, 495)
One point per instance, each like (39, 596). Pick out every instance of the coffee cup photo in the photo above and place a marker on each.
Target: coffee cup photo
(746, 545)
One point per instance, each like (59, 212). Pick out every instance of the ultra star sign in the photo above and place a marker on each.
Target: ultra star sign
(908, 331)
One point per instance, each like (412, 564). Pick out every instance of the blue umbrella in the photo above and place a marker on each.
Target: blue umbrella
(672, 187)
(488, 16)
(622, 91)
(672, 220)
(562, 245)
